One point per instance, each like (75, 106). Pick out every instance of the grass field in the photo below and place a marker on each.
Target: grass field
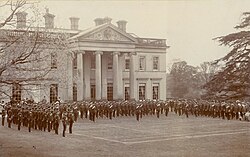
(125, 137)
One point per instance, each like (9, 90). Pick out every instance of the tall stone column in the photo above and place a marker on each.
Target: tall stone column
(98, 75)
(104, 76)
(86, 67)
(120, 71)
(132, 75)
(115, 75)
(70, 76)
(80, 75)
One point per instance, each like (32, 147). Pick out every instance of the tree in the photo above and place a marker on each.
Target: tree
(207, 71)
(233, 80)
(184, 81)
(27, 54)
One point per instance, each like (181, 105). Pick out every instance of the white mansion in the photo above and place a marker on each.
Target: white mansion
(108, 63)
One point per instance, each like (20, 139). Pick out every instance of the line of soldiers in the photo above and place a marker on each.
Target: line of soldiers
(46, 116)
(38, 116)
(224, 110)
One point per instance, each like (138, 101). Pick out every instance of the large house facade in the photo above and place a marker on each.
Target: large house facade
(105, 62)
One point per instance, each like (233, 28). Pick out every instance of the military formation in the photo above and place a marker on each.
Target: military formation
(50, 116)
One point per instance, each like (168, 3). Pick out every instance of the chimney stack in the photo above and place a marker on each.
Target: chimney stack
(122, 25)
(21, 20)
(107, 20)
(98, 21)
(49, 19)
(74, 23)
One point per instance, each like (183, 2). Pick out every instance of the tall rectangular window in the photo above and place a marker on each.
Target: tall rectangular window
(53, 92)
(92, 62)
(127, 62)
(126, 92)
(92, 90)
(142, 91)
(155, 63)
(53, 60)
(155, 91)
(110, 62)
(110, 91)
(75, 62)
(16, 92)
(74, 92)
(142, 63)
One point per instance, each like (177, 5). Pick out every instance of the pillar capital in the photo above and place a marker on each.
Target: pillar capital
(116, 53)
(98, 52)
(132, 53)
(79, 51)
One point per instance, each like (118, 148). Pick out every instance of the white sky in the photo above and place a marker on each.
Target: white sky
(188, 26)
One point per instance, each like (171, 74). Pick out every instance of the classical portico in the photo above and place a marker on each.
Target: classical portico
(101, 74)
(100, 54)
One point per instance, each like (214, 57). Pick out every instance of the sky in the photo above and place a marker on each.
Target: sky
(188, 26)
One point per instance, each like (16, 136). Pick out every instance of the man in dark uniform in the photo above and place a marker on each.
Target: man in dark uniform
(64, 122)
(186, 110)
(71, 121)
(138, 110)
(56, 122)
(19, 120)
(158, 109)
(3, 116)
(9, 117)
(30, 120)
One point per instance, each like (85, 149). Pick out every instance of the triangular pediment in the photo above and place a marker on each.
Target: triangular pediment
(106, 32)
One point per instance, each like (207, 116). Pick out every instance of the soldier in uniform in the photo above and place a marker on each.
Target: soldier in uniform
(186, 110)
(3, 116)
(30, 119)
(19, 120)
(166, 108)
(70, 121)
(56, 122)
(64, 122)
(9, 117)
(158, 110)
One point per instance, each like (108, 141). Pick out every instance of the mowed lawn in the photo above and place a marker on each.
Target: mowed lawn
(125, 137)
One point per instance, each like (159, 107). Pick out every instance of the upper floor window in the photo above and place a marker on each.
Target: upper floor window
(110, 63)
(53, 60)
(155, 63)
(75, 62)
(92, 62)
(127, 62)
(142, 63)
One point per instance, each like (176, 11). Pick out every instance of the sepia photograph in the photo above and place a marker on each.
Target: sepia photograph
(124, 78)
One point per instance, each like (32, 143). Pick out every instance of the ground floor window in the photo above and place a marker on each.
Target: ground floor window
(155, 91)
(74, 92)
(110, 91)
(53, 93)
(92, 90)
(16, 93)
(142, 91)
(126, 92)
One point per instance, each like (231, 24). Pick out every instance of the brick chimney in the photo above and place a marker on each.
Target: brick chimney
(21, 20)
(98, 21)
(49, 19)
(107, 20)
(122, 25)
(74, 23)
